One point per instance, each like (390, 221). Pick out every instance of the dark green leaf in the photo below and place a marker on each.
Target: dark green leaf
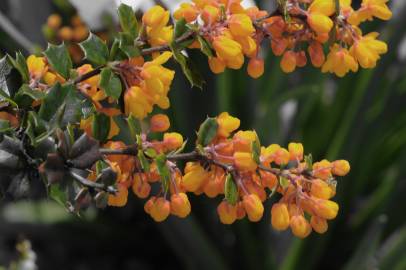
(58, 194)
(143, 161)
(163, 171)
(95, 50)
(4, 126)
(25, 96)
(85, 152)
(110, 83)
(53, 168)
(256, 151)
(207, 131)
(180, 28)
(59, 59)
(128, 21)
(230, 190)
(135, 127)
(20, 64)
(205, 46)
(127, 45)
(5, 97)
(53, 100)
(101, 126)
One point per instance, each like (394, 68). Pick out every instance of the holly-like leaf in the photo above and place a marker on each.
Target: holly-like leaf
(180, 28)
(135, 127)
(230, 190)
(53, 100)
(26, 95)
(5, 69)
(205, 46)
(207, 131)
(4, 96)
(101, 126)
(95, 50)
(143, 161)
(127, 45)
(20, 64)
(163, 171)
(59, 59)
(128, 21)
(110, 83)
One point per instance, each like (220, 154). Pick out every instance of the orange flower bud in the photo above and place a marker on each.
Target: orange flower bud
(316, 53)
(279, 46)
(295, 151)
(216, 65)
(255, 67)
(227, 124)
(227, 212)
(54, 21)
(240, 25)
(254, 207)
(242, 140)
(159, 123)
(319, 224)
(186, 11)
(322, 169)
(120, 198)
(340, 167)
(210, 14)
(160, 209)
(321, 189)
(288, 62)
(141, 187)
(301, 59)
(325, 209)
(300, 226)
(66, 33)
(244, 161)
(281, 156)
(194, 178)
(280, 216)
(149, 204)
(214, 186)
(240, 211)
(173, 140)
(180, 205)
(320, 23)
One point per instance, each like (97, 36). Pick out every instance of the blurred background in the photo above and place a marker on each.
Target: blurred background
(361, 118)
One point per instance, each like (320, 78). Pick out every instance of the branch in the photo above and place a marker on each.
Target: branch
(91, 184)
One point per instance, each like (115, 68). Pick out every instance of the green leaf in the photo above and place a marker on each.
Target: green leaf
(59, 59)
(20, 64)
(53, 100)
(134, 126)
(101, 126)
(150, 152)
(4, 126)
(127, 45)
(5, 97)
(5, 69)
(207, 131)
(230, 190)
(95, 50)
(309, 161)
(25, 96)
(283, 182)
(128, 21)
(188, 67)
(163, 171)
(205, 46)
(110, 83)
(180, 28)
(57, 194)
(256, 151)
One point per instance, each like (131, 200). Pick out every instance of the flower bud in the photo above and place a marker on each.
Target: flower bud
(321, 189)
(227, 212)
(255, 67)
(295, 151)
(341, 167)
(120, 198)
(244, 161)
(156, 17)
(240, 211)
(281, 156)
(254, 207)
(240, 25)
(322, 169)
(180, 205)
(194, 177)
(149, 204)
(301, 59)
(319, 224)
(186, 11)
(54, 21)
(159, 123)
(226, 48)
(216, 65)
(140, 188)
(279, 46)
(210, 14)
(320, 23)
(242, 140)
(300, 226)
(160, 209)
(227, 124)
(325, 209)
(173, 140)
(65, 33)
(280, 216)
(316, 53)
(288, 62)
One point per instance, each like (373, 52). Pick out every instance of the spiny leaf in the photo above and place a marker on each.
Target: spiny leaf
(101, 126)
(59, 59)
(207, 131)
(110, 83)
(53, 100)
(20, 64)
(95, 49)
(128, 21)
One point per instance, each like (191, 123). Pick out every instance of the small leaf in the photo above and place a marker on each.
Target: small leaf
(20, 64)
(207, 131)
(128, 21)
(95, 49)
(180, 28)
(230, 190)
(127, 45)
(135, 127)
(151, 153)
(4, 126)
(57, 194)
(256, 151)
(5, 97)
(110, 83)
(26, 95)
(283, 182)
(143, 161)
(205, 46)
(59, 59)
(309, 161)
(53, 100)
(163, 171)
(101, 126)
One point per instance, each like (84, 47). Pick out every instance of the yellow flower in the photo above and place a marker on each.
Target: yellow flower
(253, 207)
(180, 205)
(216, 65)
(300, 226)
(322, 169)
(36, 66)
(367, 50)
(318, 224)
(187, 11)
(156, 17)
(173, 140)
(136, 103)
(195, 176)
(319, 15)
(159, 123)
(373, 8)
(326, 209)
(340, 167)
(244, 161)
(227, 48)
(339, 61)
(240, 25)
(227, 124)
(227, 212)
(296, 151)
(280, 216)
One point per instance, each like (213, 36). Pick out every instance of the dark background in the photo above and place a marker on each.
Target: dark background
(361, 118)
